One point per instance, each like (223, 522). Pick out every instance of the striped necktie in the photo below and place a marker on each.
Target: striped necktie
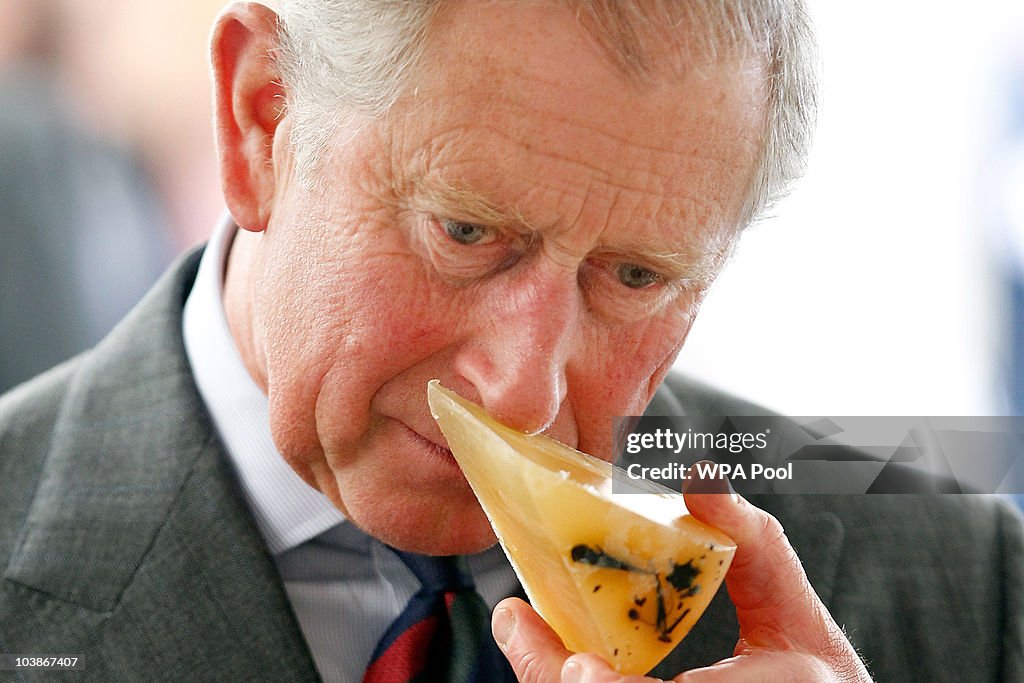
(443, 635)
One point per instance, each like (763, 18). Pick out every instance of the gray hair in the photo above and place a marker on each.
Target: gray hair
(341, 58)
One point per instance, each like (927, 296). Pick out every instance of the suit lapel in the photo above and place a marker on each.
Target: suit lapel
(138, 523)
(218, 593)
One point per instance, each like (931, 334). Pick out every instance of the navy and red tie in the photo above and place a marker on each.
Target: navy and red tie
(443, 635)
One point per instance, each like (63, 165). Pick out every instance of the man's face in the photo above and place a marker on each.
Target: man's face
(525, 225)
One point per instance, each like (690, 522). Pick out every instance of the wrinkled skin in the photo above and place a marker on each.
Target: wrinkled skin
(534, 230)
(595, 213)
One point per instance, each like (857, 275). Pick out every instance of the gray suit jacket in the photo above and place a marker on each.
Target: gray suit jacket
(124, 539)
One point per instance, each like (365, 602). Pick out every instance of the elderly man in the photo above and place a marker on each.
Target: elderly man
(527, 200)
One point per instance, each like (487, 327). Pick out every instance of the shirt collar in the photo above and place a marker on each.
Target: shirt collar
(287, 510)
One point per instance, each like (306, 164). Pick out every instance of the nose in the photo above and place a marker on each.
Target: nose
(523, 339)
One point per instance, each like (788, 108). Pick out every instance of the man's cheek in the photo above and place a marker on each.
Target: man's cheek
(625, 357)
(408, 316)
(662, 340)
(619, 373)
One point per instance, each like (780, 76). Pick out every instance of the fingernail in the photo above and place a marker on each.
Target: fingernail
(572, 672)
(502, 625)
(733, 496)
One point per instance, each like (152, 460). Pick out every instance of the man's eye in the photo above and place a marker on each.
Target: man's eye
(464, 233)
(636, 277)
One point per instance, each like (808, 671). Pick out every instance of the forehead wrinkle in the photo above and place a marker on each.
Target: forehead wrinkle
(509, 100)
(646, 168)
(641, 168)
(643, 156)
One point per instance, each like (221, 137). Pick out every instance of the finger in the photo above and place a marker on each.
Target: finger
(775, 604)
(590, 668)
(764, 666)
(535, 651)
(537, 654)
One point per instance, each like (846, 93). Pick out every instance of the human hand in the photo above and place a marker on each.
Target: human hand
(786, 634)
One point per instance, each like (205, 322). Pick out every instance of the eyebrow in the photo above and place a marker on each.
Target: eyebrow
(467, 205)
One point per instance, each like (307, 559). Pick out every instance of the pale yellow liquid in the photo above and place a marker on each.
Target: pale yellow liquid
(554, 512)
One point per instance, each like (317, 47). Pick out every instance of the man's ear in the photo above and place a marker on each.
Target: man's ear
(248, 107)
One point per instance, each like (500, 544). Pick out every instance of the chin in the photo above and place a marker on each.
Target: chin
(453, 526)
(462, 544)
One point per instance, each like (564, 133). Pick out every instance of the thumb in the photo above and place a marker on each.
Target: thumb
(535, 651)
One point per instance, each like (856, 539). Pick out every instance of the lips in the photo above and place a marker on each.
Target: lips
(440, 452)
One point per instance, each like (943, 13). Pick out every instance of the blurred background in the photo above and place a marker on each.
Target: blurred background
(889, 282)
(106, 164)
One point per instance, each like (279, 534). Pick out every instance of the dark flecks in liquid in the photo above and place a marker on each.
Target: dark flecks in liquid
(679, 582)
(597, 588)
(584, 554)
(682, 575)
